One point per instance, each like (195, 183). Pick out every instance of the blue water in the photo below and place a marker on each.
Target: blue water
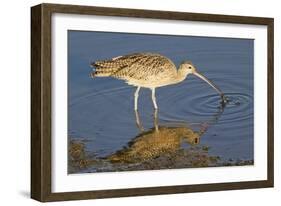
(101, 112)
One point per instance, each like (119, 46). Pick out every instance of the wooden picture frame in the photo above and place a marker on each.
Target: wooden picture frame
(41, 98)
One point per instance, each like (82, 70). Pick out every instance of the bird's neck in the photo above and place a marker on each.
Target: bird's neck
(180, 76)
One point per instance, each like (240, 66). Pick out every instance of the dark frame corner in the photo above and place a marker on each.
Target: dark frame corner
(41, 101)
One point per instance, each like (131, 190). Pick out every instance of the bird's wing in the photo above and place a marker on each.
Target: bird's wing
(116, 62)
(143, 66)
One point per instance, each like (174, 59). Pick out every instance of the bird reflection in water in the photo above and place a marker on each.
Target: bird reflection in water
(163, 146)
(160, 140)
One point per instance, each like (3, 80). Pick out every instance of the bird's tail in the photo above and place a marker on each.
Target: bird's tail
(97, 73)
(104, 68)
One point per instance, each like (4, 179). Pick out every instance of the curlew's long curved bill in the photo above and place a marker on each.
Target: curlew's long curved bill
(210, 83)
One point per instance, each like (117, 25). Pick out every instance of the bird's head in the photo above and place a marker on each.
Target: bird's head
(187, 68)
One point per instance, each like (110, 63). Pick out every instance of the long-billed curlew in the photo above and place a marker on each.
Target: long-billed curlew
(148, 70)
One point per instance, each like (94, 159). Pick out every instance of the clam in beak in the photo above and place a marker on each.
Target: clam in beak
(224, 100)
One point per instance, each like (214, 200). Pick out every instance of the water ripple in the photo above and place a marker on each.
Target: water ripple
(107, 115)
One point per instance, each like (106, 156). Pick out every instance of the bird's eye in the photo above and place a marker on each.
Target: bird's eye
(189, 67)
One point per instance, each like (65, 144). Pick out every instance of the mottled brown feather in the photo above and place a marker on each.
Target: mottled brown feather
(138, 68)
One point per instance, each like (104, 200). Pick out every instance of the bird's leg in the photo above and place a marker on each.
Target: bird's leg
(138, 122)
(136, 98)
(153, 98)
(156, 120)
